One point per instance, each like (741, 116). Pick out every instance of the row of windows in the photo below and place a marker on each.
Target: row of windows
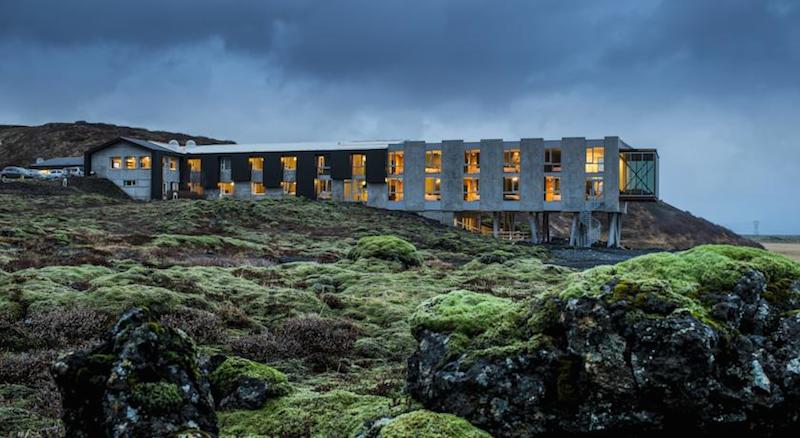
(142, 162)
(471, 188)
(511, 161)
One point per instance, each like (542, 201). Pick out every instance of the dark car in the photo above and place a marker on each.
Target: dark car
(12, 172)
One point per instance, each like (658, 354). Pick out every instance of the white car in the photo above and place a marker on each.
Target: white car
(55, 174)
(74, 171)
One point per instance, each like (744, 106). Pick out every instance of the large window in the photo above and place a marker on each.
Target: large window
(355, 190)
(594, 188)
(322, 187)
(552, 188)
(511, 161)
(289, 188)
(130, 162)
(472, 189)
(433, 161)
(433, 189)
(289, 162)
(359, 162)
(511, 188)
(637, 174)
(595, 162)
(144, 161)
(395, 188)
(196, 188)
(172, 163)
(194, 164)
(552, 160)
(395, 163)
(257, 188)
(116, 162)
(322, 166)
(472, 161)
(256, 163)
(225, 188)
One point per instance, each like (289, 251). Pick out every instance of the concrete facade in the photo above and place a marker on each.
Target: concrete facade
(101, 166)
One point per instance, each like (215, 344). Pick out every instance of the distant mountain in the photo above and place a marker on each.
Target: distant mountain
(21, 145)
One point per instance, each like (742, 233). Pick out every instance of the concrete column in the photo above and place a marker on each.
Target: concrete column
(614, 230)
(531, 177)
(377, 195)
(452, 175)
(533, 223)
(611, 174)
(337, 190)
(545, 227)
(495, 224)
(573, 173)
(414, 175)
(491, 175)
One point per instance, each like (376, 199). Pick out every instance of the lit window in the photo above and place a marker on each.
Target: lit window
(256, 163)
(289, 163)
(322, 166)
(472, 189)
(257, 188)
(289, 187)
(116, 162)
(194, 164)
(359, 162)
(552, 160)
(433, 161)
(594, 159)
(433, 189)
(395, 163)
(552, 188)
(511, 188)
(511, 161)
(395, 187)
(472, 161)
(144, 161)
(196, 188)
(594, 187)
(225, 188)
(130, 162)
(129, 182)
(355, 191)
(322, 187)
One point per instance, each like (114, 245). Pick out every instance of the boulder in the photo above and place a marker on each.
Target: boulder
(238, 383)
(143, 380)
(640, 348)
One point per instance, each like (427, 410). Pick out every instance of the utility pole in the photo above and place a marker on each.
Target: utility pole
(755, 227)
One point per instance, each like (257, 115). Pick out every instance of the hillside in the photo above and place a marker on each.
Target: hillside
(21, 145)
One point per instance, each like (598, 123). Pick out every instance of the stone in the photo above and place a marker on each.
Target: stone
(143, 380)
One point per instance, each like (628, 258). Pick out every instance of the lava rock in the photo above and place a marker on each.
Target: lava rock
(612, 368)
(144, 380)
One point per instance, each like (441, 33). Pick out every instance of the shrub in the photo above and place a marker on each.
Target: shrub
(261, 347)
(386, 248)
(64, 327)
(204, 327)
(430, 425)
(26, 368)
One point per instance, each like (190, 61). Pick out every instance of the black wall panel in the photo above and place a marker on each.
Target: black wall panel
(183, 166)
(156, 175)
(306, 172)
(376, 166)
(240, 168)
(209, 165)
(273, 172)
(341, 166)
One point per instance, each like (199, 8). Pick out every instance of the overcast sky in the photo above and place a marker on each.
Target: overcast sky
(714, 85)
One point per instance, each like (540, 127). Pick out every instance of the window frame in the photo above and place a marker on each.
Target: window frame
(129, 183)
(394, 195)
(476, 193)
(556, 192)
(396, 163)
(145, 162)
(512, 160)
(472, 166)
(115, 163)
(433, 161)
(594, 162)
(514, 193)
(436, 193)
(590, 192)
(551, 166)
(360, 170)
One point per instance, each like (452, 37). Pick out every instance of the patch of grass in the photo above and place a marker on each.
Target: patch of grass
(429, 424)
(225, 376)
(463, 312)
(386, 248)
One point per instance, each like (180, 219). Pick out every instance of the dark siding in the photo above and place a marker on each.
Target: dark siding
(376, 166)
(273, 172)
(209, 165)
(240, 168)
(156, 175)
(306, 172)
(183, 167)
(341, 166)
(87, 163)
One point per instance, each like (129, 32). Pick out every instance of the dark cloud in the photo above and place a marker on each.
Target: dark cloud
(712, 83)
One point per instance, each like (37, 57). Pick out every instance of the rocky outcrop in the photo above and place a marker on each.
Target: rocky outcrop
(618, 356)
(144, 380)
(238, 383)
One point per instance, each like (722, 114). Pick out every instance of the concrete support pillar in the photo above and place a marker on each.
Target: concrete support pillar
(545, 227)
(614, 230)
(579, 234)
(533, 223)
(495, 224)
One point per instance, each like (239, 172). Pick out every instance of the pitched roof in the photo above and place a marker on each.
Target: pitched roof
(58, 162)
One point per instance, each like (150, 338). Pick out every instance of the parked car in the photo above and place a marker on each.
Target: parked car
(55, 174)
(74, 171)
(13, 172)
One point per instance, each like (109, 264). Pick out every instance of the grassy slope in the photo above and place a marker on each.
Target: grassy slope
(246, 267)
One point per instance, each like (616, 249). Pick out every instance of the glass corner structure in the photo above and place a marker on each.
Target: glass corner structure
(638, 175)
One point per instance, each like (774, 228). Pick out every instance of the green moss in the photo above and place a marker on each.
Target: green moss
(427, 424)
(464, 312)
(225, 376)
(200, 241)
(16, 421)
(387, 248)
(157, 397)
(308, 413)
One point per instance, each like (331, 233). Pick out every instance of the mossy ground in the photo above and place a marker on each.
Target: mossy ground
(247, 266)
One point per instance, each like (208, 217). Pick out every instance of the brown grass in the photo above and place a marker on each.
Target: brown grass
(791, 250)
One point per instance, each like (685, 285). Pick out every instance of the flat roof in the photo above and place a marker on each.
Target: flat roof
(59, 162)
(279, 147)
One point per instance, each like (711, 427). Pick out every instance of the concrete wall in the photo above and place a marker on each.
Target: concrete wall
(170, 176)
(414, 176)
(531, 184)
(452, 175)
(491, 182)
(611, 174)
(377, 195)
(573, 164)
(101, 166)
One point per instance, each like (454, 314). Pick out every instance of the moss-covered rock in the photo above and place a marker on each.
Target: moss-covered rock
(242, 383)
(427, 424)
(463, 312)
(156, 396)
(387, 248)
